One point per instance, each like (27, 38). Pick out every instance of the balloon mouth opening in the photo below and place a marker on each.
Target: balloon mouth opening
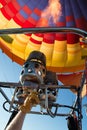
(30, 78)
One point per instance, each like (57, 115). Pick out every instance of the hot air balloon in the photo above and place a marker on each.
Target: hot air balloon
(65, 52)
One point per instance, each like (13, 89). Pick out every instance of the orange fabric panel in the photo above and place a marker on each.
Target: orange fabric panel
(71, 79)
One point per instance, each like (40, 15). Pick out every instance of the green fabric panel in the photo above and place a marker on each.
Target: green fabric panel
(7, 38)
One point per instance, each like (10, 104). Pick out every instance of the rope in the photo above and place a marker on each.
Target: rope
(86, 74)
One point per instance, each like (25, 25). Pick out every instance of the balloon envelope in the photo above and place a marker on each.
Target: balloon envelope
(64, 52)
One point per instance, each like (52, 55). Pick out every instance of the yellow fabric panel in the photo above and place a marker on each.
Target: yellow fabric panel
(17, 53)
(37, 38)
(31, 47)
(19, 45)
(66, 55)
(22, 38)
(47, 49)
(12, 24)
(74, 55)
(84, 52)
(16, 45)
(59, 54)
(3, 21)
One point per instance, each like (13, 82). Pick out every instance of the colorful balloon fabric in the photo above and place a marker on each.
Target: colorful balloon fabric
(65, 53)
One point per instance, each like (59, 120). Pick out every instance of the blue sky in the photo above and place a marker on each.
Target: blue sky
(10, 72)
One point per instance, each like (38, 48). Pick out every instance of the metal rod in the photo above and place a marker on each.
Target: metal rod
(4, 95)
(9, 84)
(12, 100)
(44, 30)
(42, 86)
(79, 105)
(81, 87)
(44, 113)
(66, 106)
(78, 102)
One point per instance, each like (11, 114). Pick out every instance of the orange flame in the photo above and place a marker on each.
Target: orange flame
(53, 10)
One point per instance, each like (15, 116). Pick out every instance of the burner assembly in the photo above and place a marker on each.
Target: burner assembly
(33, 76)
